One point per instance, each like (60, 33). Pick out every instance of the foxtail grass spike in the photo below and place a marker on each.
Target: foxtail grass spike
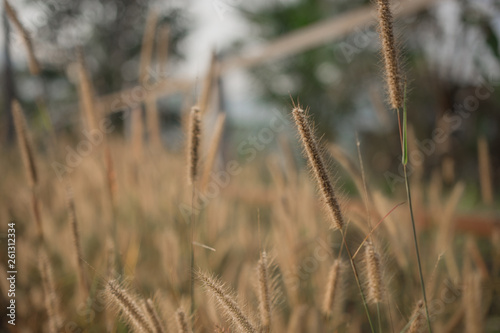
(318, 166)
(390, 53)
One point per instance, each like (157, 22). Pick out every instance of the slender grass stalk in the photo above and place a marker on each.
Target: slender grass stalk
(147, 46)
(33, 65)
(356, 276)
(404, 144)
(379, 318)
(52, 304)
(264, 294)
(408, 193)
(82, 276)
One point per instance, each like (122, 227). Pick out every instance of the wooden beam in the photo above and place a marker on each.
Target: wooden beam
(133, 97)
(319, 34)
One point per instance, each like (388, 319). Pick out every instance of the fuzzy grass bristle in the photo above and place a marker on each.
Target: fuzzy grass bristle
(334, 290)
(84, 285)
(374, 273)
(226, 302)
(52, 304)
(417, 319)
(180, 318)
(33, 65)
(264, 294)
(155, 319)
(194, 144)
(123, 302)
(318, 166)
(390, 53)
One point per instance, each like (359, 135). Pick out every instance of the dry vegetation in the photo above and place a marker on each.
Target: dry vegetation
(121, 241)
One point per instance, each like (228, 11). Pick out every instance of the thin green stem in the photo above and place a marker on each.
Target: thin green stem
(404, 148)
(379, 318)
(353, 265)
(408, 193)
(191, 266)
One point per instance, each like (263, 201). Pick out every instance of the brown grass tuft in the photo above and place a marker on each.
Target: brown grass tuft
(25, 144)
(33, 64)
(374, 270)
(318, 166)
(51, 300)
(82, 277)
(392, 70)
(334, 293)
(265, 296)
(417, 318)
(194, 143)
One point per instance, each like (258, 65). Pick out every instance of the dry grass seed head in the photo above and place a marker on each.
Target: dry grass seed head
(84, 285)
(226, 302)
(194, 143)
(25, 144)
(124, 302)
(182, 324)
(33, 64)
(374, 274)
(318, 166)
(334, 289)
(51, 300)
(390, 53)
(155, 319)
(417, 319)
(266, 291)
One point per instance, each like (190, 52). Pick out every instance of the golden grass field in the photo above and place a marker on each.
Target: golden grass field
(119, 234)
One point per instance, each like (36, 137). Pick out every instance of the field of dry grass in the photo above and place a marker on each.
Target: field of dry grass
(121, 234)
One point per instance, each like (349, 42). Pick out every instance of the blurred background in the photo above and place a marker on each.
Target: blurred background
(323, 53)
